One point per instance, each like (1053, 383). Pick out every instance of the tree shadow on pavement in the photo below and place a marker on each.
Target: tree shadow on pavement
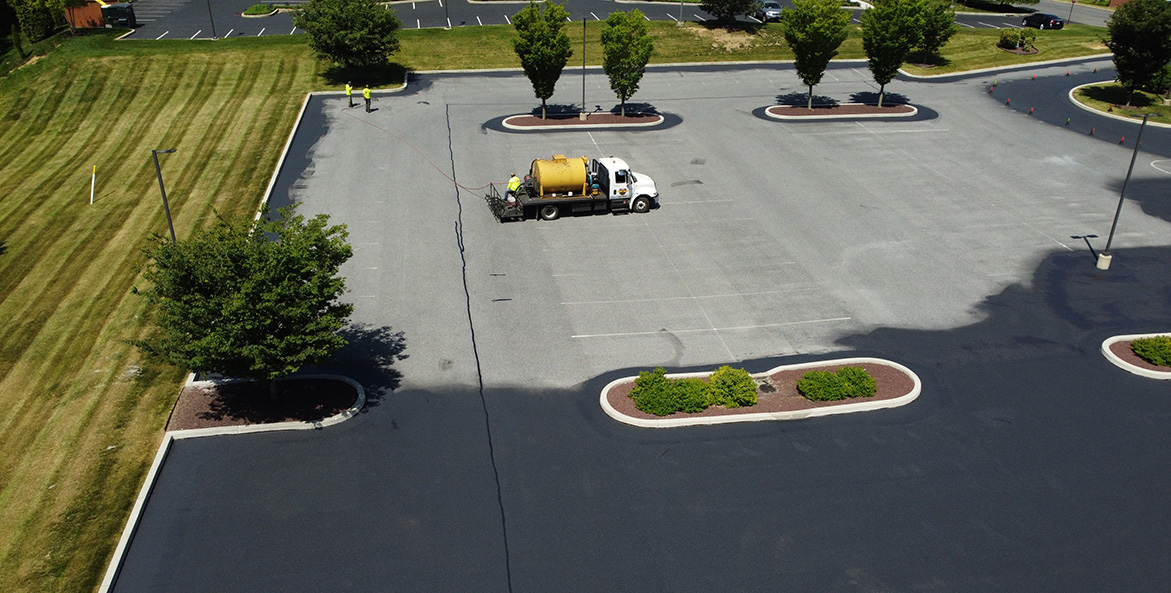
(369, 356)
(796, 99)
(871, 98)
(1154, 195)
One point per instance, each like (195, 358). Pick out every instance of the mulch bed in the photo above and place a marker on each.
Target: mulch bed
(779, 393)
(1122, 350)
(846, 109)
(1018, 51)
(594, 119)
(241, 403)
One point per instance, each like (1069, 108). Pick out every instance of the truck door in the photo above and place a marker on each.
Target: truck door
(620, 186)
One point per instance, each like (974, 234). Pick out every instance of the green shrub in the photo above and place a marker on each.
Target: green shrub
(1028, 38)
(690, 394)
(848, 382)
(731, 388)
(259, 9)
(1009, 39)
(652, 393)
(1155, 350)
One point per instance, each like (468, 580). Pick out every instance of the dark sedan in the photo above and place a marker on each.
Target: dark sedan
(1041, 20)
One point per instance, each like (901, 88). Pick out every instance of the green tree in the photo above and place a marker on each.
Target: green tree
(814, 29)
(542, 45)
(726, 11)
(350, 33)
(1139, 34)
(256, 302)
(627, 46)
(889, 30)
(35, 18)
(937, 21)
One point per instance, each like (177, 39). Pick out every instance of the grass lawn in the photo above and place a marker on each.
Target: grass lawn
(973, 49)
(1114, 98)
(81, 413)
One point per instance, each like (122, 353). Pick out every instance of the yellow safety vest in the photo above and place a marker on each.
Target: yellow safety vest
(366, 93)
(349, 89)
(513, 183)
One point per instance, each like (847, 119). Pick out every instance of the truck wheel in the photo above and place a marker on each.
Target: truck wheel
(641, 205)
(549, 213)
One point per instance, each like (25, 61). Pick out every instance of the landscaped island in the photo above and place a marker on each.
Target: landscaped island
(724, 396)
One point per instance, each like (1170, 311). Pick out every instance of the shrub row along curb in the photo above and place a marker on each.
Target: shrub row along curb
(846, 408)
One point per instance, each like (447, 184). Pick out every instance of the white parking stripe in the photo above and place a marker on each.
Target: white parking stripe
(196, 34)
(712, 329)
(161, 36)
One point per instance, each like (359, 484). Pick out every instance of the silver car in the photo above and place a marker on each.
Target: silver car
(770, 10)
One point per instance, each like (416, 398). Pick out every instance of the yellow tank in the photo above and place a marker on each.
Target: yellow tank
(561, 176)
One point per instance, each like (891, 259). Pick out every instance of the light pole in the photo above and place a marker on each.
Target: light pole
(583, 36)
(1105, 257)
(213, 35)
(159, 172)
(1071, 5)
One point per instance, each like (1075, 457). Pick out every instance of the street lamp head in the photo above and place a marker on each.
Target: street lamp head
(167, 151)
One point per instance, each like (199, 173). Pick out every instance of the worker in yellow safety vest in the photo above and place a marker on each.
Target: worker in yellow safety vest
(366, 95)
(350, 94)
(513, 185)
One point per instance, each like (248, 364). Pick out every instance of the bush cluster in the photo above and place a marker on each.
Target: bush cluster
(1014, 38)
(259, 9)
(1155, 350)
(848, 382)
(654, 393)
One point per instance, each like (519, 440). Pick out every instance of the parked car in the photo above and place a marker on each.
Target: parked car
(1042, 20)
(769, 11)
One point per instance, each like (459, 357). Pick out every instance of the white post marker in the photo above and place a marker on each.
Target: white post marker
(92, 182)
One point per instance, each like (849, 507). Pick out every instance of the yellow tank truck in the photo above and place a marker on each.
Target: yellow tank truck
(564, 185)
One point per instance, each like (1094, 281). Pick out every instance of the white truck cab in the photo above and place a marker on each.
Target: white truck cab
(625, 188)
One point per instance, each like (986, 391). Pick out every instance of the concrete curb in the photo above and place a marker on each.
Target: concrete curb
(171, 436)
(1118, 362)
(768, 111)
(259, 16)
(1080, 105)
(761, 416)
(1003, 68)
(586, 126)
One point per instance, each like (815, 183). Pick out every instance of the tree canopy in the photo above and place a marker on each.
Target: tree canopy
(1140, 37)
(256, 302)
(627, 46)
(814, 29)
(350, 33)
(542, 45)
(726, 11)
(937, 21)
(889, 30)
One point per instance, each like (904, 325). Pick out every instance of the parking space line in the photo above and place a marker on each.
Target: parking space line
(987, 25)
(161, 36)
(689, 298)
(714, 329)
(261, 32)
(196, 34)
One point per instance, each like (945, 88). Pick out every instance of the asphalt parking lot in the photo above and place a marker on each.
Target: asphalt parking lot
(205, 19)
(945, 243)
